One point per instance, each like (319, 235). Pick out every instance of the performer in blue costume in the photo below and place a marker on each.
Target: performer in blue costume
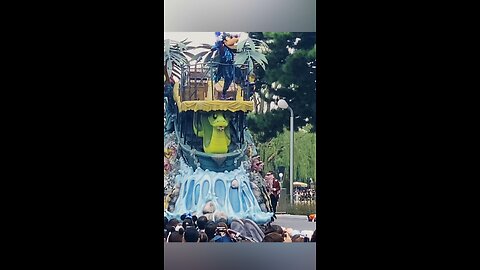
(226, 69)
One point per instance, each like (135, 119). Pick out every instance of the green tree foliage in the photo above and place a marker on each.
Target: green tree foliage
(292, 67)
(261, 124)
(175, 55)
(276, 152)
(250, 51)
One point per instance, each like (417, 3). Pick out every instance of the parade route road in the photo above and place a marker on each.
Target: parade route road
(295, 222)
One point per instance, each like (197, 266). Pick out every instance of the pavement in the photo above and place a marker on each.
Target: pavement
(296, 222)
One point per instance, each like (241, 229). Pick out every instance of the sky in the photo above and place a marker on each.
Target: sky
(198, 38)
(195, 37)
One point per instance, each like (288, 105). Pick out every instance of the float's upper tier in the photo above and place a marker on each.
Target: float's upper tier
(205, 96)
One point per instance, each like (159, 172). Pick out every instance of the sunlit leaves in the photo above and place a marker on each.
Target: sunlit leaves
(250, 51)
(175, 56)
(304, 153)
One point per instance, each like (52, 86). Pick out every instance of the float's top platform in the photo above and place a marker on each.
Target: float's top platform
(204, 95)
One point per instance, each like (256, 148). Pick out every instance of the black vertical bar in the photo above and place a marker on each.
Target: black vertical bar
(182, 84)
(185, 130)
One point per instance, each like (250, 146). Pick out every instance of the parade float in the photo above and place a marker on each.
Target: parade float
(210, 162)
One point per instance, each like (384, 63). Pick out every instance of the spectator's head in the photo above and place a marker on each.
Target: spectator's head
(314, 236)
(273, 237)
(202, 222)
(210, 229)
(257, 164)
(298, 238)
(269, 177)
(191, 235)
(175, 237)
(188, 216)
(188, 223)
(172, 223)
(203, 237)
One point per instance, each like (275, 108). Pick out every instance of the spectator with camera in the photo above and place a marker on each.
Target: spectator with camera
(221, 233)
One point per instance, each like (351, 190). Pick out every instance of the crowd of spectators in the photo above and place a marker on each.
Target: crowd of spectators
(304, 195)
(193, 229)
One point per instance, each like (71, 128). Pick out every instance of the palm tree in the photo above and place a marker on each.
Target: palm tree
(247, 52)
(175, 56)
(250, 50)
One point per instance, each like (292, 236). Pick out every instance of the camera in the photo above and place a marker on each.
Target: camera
(221, 230)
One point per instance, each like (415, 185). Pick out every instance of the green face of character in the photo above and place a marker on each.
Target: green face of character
(218, 121)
